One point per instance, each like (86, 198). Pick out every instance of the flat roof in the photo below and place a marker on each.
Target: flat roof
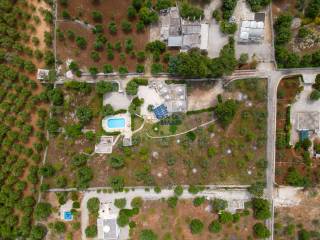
(174, 41)
(308, 121)
(259, 17)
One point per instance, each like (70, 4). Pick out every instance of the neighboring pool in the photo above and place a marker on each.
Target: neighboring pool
(67, 216)
(116, 123)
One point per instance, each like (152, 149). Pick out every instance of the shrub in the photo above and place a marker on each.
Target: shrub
(211, 152)
(261, 231)
(59, 227)
(156, 46)
(257, 5)
(91, 231)
(112, 27)
(120, 203)
(190, 12)
(219, 204)
(140, 68)
(93, 206)
(315, 95)
(83, 177)
(294, 178)
(228, 7)
(107, 110)
(65, 14)
(172, 201)
(93, 71)
(128, 45)
(147, 234)
(140, 26)
(225, 217)
(191, 136)
(96, 16)
(198, 201)
(117, 183)
(214, 227)
(131, 12)
(163, 4)
(193, 189)
(313, 9)
(141, 56)
(261, 208)
(84, 114)
(104, 87)
(156, 68)
(56, 96)
(117, 162)
(107, 68)
(226, 111)
(244, 57)
(38, 232)
(196, 226)
(126, 26)
(132, 88)
(47, 171)
(42, 210)
(81, 42)
(256, 189)
(147, 16)
(227, 27)
(53, 126)
(303, 32)
(123, 70)
(73, 130)
(136, 202)
(79, 160)
(123, 220)
(95, 56)
(178, 191)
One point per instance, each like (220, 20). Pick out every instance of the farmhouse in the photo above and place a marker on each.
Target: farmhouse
(181, 33)
(252, 30)
(166, 99)
(308, 124)
(108, 228)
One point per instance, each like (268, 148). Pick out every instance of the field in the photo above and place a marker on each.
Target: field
(112, 11)
(236, 154)
(173, 223)
(72, 228)
(287, 156)
(291, 221)
(297, 33)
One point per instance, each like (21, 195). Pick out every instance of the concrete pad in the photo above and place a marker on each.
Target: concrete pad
(151, 97)
(117, 100)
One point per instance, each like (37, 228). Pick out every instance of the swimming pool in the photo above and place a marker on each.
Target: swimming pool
(116, 123)
(67, 216)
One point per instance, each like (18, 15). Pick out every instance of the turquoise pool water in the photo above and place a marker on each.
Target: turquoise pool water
(116, 123)
(67, 216)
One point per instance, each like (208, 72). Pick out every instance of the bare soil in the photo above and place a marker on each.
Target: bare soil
(164, 221)
(289, 157)
(305, 215)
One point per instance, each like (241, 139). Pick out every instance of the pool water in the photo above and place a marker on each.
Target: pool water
(67, 216)
(116, 123)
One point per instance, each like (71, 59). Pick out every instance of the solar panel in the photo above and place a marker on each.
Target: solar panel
(161, 111)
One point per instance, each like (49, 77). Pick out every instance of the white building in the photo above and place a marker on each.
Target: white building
(252, 30)
(182, 33)
(108, 228)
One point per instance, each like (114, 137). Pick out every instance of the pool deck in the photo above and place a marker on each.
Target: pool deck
(126, 130)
